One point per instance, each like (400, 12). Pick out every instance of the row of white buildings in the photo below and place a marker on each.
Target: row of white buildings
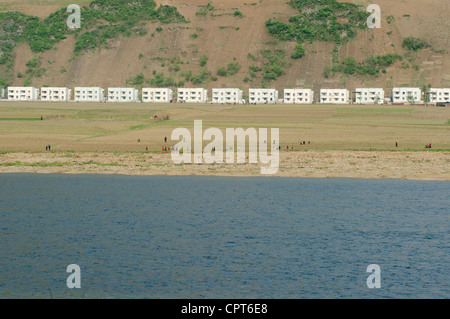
(402, 95)
(225, 95)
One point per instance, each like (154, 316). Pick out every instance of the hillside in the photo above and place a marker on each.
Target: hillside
(232, 35)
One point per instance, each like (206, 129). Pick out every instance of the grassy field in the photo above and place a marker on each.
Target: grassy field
(118, 127)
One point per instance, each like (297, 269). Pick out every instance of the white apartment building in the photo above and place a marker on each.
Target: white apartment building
(23, 93)
(369, 96)
(192, 95)
(227, 96)
(440, 95)
(89, 94)
(264, 96)
(157, 95)
(123, 95)
(298, 96)
(56, 94)
(406, 95)
(334, 96)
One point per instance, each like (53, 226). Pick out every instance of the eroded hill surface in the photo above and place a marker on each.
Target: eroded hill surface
(225, 43)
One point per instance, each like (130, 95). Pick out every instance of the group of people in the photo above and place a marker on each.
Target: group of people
(48, 147)
(301, 143)
(426, 145)
(167, 148)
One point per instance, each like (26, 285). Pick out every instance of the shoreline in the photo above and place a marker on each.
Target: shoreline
(402, 165)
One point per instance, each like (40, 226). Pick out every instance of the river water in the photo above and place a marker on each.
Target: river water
(222, 237)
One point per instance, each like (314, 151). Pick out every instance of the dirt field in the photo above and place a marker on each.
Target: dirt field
(341, 141)
(311, 164)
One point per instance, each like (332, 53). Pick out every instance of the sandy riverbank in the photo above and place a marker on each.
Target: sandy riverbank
(422, 165)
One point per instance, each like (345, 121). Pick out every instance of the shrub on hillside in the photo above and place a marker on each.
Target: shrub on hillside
(299, 51)
(233, 68)
(414, 44)
(203, 60)
(222, 71)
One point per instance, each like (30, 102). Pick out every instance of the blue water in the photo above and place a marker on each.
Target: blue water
(217, 237)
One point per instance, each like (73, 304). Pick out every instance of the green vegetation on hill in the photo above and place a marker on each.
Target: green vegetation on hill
(203, 60)
(121, 17)
(267, 65)
(369, 66)
(174, 80)
(103, 19)
(273, 65)
(14, 29)
(373, 65)
(100, 21)
(34, 70)
(415, 44)
(204, 10)
(232, 68)
(320, 20)
(337, 22)
(299, 51)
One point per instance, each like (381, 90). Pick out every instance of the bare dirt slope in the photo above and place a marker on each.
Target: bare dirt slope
(224, 38)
